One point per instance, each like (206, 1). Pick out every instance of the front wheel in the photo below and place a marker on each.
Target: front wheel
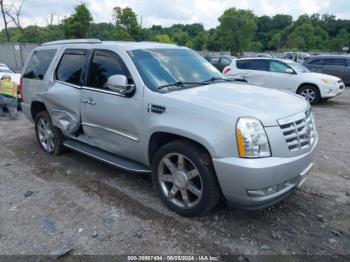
(49, 137)
(185, 178)
(310, 93)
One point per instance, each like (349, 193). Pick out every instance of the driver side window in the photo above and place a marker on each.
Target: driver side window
(103, 65)
(278, 67)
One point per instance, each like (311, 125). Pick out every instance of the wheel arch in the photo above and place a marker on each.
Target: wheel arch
(37, 107)
(158, 139)
(308, 84)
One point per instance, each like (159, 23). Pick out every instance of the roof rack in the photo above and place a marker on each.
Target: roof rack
(73, 41)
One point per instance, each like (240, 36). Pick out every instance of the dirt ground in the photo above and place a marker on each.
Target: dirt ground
(52, 205)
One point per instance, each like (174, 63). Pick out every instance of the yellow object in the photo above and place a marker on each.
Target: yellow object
(7, 87)
(241, 143)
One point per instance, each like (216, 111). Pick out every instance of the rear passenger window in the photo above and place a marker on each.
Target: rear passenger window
(38, 64)
(253, 64)
(71, 66)
(242, 64)
(316, 62)
(335, 61)
(259, 64)
(105, 64)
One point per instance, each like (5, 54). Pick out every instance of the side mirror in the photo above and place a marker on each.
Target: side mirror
(119, 84)
(290, 71)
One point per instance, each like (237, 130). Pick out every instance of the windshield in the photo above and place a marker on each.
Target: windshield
(5, 70)
(162, 67)
(299, 68)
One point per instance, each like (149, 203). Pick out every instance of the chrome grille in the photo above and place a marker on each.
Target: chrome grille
(299, 131)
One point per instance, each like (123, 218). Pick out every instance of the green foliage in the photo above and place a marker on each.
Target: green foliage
(238, 31)
(127, 27)
(78, 25)
(162, 39)
(237, 28)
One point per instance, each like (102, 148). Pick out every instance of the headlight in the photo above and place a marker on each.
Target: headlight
(252, 139)
(328, 81)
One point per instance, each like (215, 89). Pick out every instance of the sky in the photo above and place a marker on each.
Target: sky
(168, 12)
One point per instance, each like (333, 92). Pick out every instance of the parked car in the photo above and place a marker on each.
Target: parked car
(336, 65)
(220, 62)
(163, 110)
(294, 56)
(15, 77)
(264, 55)
(286, 75)
(5, 70)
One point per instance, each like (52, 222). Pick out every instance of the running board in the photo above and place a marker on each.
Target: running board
(114, 160)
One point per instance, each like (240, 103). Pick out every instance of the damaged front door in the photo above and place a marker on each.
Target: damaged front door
(64, 96)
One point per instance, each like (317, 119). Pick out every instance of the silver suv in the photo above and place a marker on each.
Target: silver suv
(163, 110)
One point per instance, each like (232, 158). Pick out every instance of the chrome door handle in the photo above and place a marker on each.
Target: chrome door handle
(89, 101)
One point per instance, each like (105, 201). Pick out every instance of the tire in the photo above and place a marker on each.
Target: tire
(53, 136)
(196, 177)
(311, 94)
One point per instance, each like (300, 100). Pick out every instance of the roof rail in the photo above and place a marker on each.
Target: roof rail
(73, 41)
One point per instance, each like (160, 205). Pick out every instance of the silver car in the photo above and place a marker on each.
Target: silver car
(163, 110)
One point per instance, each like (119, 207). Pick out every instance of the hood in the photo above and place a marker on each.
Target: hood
(319, 76)
(242, 100)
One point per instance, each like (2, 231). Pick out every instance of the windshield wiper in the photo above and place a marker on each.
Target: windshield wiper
(182, 83)
(213, 79)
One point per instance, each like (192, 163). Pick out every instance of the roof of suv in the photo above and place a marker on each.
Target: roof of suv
(329, 56)
(126, 45)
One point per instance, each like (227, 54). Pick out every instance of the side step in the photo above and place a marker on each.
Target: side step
(114, 160)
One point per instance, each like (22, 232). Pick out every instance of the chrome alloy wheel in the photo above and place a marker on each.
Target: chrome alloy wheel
(309, 94)
(180, 180)
(46, 135)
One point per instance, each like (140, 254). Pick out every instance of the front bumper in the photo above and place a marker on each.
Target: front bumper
(333, 91)
(237, 176)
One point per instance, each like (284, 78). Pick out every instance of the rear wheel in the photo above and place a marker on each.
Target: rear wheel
(311, 94)
(185, 178)
(49, 137)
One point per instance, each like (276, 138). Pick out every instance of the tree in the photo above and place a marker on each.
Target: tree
(342, 40)
(237, 28)
(3, 12)
(78, 25)
(280, 21)
(126, 23)
(162, 39)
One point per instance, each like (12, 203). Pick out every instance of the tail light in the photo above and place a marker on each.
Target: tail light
(227, 69)
(21, 88)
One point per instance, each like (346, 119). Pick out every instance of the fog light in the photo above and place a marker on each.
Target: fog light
(262, 192)
(329, 90)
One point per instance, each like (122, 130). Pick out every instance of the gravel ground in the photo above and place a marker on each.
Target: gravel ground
(52, 205)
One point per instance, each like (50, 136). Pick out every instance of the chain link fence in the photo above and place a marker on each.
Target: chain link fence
(14, 55)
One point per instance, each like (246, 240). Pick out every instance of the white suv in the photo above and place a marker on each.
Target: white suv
(286, 76)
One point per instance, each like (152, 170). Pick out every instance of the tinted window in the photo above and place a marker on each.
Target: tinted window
(348, 62)
(289, 55)
(38, 64)
(316, 62)
(334, 61)
(225, 61)
(278, 67)
(242, 64)
(71, 67)
(103, 65)
(214, 60)
(253, 64)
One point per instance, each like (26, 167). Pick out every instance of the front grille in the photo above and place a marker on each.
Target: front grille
(299, 132)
